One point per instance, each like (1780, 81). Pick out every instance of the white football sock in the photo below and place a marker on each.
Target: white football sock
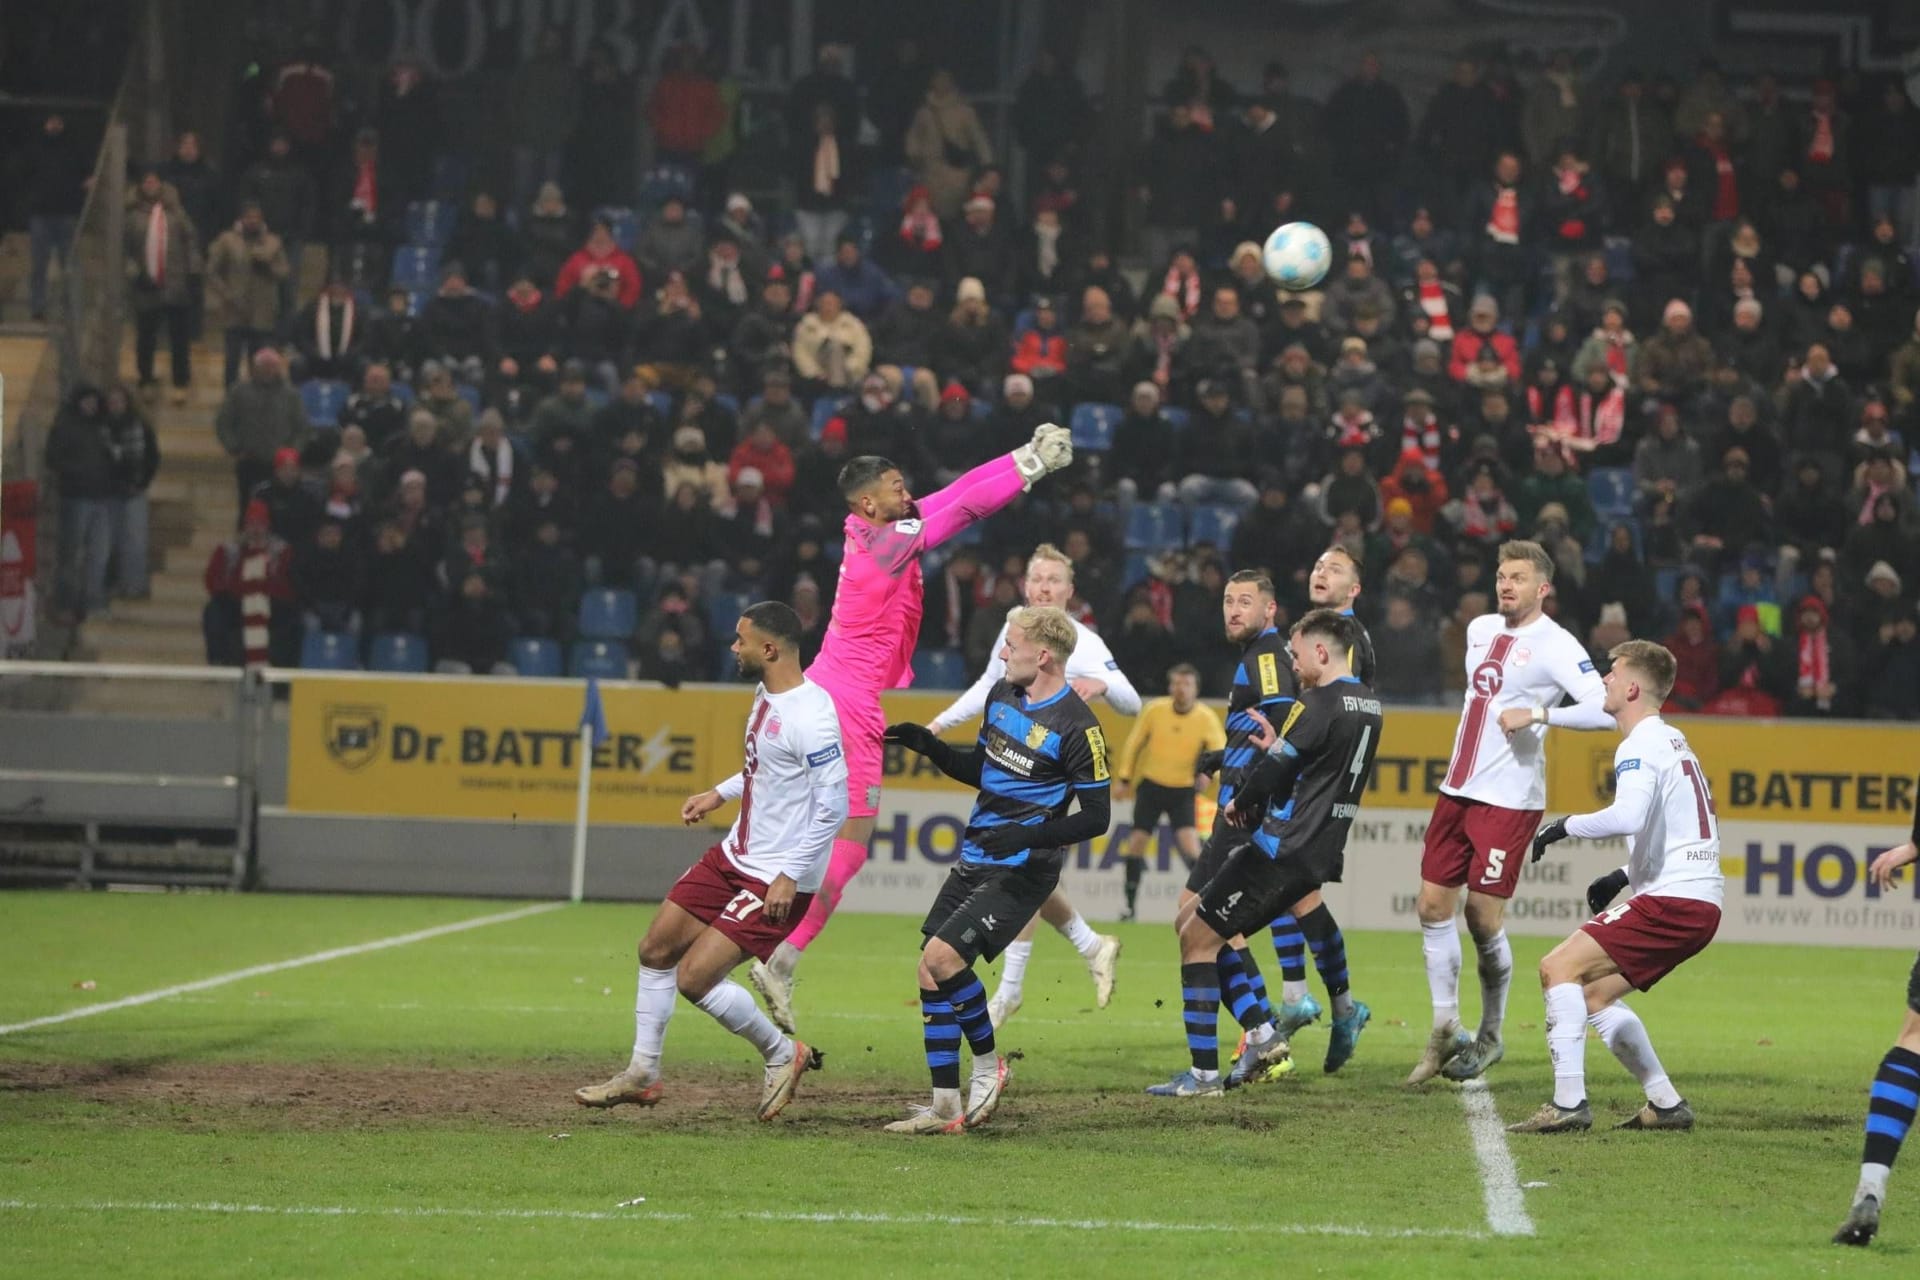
(1622, 1032)
(1013, 970)
(1293, 990)
(1441, 944)
(784, 958)
(1077, 931)
(985, 1065)
(1567, 1042)
(652, 1009)
(733, 1007)
(946, 1103)
(1873, 1182)
(1496, 975)
(1262, 1033)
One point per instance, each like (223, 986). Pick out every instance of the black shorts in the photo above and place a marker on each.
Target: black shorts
(1152, 802)
(1214, 850)
(1913, 986)
(1251, 891)
(981, 907)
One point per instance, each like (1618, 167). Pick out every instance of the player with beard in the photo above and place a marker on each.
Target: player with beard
(747, 892)
(870, 639)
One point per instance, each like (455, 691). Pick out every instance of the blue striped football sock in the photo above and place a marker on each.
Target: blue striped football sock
(1290, 945)
(941, 1035)
(1200, 1008)
(1891, 1105)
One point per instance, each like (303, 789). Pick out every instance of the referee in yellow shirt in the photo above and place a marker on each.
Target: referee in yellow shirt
(1159, 768)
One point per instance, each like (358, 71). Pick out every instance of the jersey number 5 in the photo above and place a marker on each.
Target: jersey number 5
(744, 904)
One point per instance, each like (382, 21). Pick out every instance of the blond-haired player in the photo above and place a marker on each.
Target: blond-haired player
(1662, 806)
(1093, 673)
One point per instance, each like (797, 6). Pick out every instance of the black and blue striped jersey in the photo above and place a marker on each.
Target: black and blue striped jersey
(1034, 756)
(1320, 764)
(1262, 682)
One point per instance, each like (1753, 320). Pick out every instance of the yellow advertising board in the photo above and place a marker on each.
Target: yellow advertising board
(505, 751)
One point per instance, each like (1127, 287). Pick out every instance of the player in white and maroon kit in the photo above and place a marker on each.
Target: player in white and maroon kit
(748, 891)
(1520, 664)
(1662, 806)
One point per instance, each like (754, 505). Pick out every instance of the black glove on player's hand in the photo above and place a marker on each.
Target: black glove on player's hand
(1553, 831)
(916, 738)
(1605, 889)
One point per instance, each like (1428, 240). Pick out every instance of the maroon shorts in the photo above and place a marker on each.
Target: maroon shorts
(721, 896)
(1479, 845)
(1649, 937)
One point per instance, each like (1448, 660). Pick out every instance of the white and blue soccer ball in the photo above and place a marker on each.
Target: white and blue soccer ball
(1297, 255)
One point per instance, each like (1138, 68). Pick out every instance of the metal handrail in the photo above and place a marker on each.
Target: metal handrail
(90, 778)
(122, 671)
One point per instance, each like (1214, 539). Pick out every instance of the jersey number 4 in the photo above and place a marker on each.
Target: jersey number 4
(744, 904)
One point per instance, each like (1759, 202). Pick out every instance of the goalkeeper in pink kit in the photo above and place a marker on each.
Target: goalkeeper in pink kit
(871, 636)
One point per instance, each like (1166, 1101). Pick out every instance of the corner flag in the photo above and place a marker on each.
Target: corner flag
(593, 714)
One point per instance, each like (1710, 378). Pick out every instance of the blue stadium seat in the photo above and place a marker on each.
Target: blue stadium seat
(906, 375)
(625, 224)
(1136, 569)
(398, 651)
(1213, 523)
(597, 398)
(606, 659)
(1092, 425)
(663, 181)
(1153, 526)
(1176, 417)
(608, 613)
(939, 669)
(1619, 250)
(329, 651)
(431, 222)
(1596, 548)
(449, 175)
(824, 410)
(417, 301)
(416, 266)
(403, 392)
(532, 656)
(471, 394)
(323, 398)
(1666, 581)
(1022, 322)
(979, 410)
(728, 401)
(662, 403)
(1611, 489)
(723, 611)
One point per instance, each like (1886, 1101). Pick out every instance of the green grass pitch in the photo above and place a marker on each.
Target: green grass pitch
(406, 1112)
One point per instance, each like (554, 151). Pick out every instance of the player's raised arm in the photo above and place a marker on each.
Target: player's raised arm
(962, 764)
(1119, 692)
(993, 484)
(973, 700)
(1635, 789)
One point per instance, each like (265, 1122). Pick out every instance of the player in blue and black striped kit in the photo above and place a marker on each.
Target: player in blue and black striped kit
(1894, 1100)
(1039, 748)
(1263, 687)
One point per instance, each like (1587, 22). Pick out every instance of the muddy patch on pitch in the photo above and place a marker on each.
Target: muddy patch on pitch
(305, 1096)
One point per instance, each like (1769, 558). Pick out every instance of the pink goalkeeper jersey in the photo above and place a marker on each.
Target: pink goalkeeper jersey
(877, 606)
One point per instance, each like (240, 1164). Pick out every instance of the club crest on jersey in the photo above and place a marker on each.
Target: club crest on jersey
(1036, 736)
(773, 726)
(1488, 677)
(1520, 656)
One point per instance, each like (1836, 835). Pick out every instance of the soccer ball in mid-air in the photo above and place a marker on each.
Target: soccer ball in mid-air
(1297, 255)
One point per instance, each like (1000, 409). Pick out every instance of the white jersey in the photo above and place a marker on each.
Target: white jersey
(1091, 659)
(793, 791)
(1525, 667)
(1662, 805)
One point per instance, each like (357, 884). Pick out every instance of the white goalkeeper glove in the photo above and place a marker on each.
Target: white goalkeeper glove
(1050, 450)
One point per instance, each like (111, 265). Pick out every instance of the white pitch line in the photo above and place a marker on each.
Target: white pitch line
(1499, 1180)
(279, 966)
(666, 1215)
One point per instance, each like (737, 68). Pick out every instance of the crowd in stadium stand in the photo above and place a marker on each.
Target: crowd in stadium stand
(1669, 331)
